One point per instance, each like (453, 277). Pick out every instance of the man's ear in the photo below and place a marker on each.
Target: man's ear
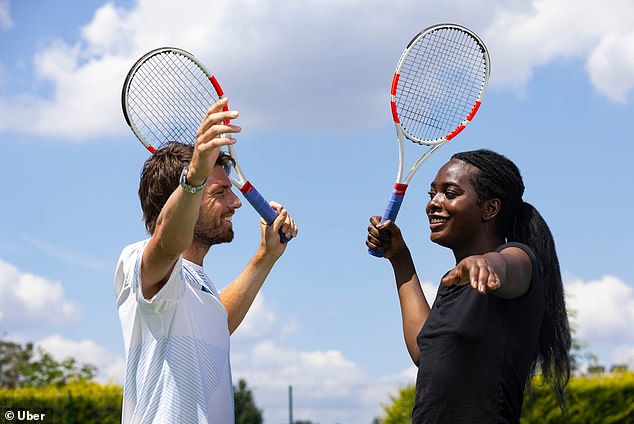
(491, 208)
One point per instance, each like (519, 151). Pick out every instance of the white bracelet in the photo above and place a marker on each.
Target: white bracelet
(188, 188)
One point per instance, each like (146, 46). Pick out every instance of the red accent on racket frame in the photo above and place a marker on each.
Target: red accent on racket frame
(226, 121)
(247, 187)
(393, 94)
(394, 84)
(400, 188)
(455, 132)
(151, 149)
(476, 106)
(226, 109)
(394, 113)
(216, 85)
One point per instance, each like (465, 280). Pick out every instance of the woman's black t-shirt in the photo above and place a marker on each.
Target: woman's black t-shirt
(476, 353)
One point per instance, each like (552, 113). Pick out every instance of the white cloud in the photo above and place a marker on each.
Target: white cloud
(332, 58)
(28, 301)
(258, 323)
(327, 386)
(611, 65)
(330, 387)
(624, 355)
(602, 313)
(5, 15)
(603, 309)
(108, 32)
(522, 39)
(261, 323)
(84, 103)
(310, 367)
(110, 368)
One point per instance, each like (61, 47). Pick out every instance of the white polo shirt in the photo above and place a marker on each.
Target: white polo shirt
(176, 344)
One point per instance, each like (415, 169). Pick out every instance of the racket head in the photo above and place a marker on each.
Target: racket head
(165, 96)
(439, 83)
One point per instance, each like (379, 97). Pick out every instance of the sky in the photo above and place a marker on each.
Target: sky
(311, 81)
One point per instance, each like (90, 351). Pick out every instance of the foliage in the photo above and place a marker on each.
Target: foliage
(579, 352)
(92, 403)
(246, 412)
(400, 410)
(25, 366)
(32, 380)
(604, 398)
(79, 402)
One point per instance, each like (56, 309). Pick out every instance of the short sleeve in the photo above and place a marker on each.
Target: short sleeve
(128, 278)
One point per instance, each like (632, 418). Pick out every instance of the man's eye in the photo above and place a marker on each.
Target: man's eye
(431, 194)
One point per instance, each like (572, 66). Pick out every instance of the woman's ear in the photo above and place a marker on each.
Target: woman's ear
(490, 209)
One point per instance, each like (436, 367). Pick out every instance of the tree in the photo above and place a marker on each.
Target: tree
(400, 410)
(579, 349)
(246, 412)
(13, 358)
(26, 366)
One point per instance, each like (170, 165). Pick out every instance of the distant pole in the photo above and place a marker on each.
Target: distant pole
(290, 404)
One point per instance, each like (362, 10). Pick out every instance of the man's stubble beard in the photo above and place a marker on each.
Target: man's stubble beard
(208, 238)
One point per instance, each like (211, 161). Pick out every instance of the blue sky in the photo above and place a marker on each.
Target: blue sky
(311, 82)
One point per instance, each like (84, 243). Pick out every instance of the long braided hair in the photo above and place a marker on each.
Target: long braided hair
(519, 221)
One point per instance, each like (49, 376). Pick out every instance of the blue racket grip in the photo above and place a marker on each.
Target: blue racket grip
(393, 206)
(262, 207)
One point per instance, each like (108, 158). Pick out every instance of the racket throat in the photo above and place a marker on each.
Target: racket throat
(400, 188)
(246, 187)
(394, 204)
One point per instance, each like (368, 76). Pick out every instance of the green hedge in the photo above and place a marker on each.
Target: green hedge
(602, 399)
(80, 403)
(597, 399)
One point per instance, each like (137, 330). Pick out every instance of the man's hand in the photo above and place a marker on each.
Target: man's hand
(212, 134)
(271, 244)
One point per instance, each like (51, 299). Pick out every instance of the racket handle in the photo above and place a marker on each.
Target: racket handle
(262, 207)
(393, 206)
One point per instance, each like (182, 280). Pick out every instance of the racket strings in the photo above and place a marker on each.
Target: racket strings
(178, 121)
(441, 78)
(179, 86)
(148, 86)
(167, 98)
(180, 116)
(157, 81)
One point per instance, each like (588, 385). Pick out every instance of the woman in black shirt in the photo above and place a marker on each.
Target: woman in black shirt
(499, 314)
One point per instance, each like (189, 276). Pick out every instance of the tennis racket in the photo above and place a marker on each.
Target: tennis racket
(165, 96)
(436, 91)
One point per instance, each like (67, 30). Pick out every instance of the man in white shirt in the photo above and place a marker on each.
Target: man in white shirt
(175, 324)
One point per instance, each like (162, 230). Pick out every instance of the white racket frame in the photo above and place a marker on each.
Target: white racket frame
(434, 144)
